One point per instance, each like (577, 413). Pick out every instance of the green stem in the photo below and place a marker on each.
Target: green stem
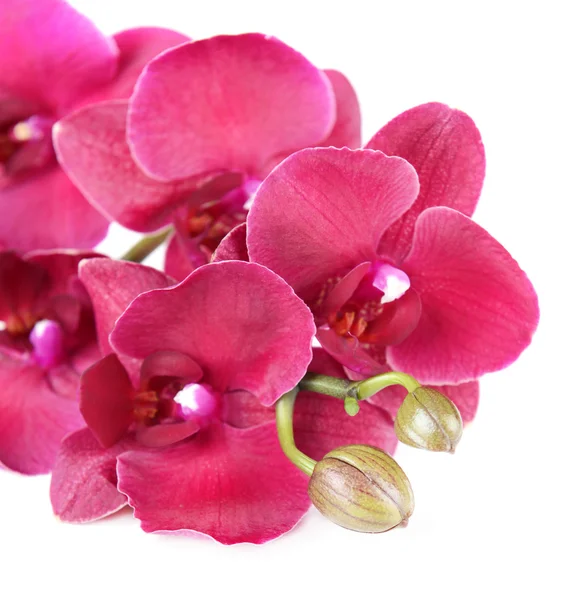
(329, 386)
(143, 248)
(284, 413)
(368, 387)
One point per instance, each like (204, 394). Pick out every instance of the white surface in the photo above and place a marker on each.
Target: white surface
(498, 519)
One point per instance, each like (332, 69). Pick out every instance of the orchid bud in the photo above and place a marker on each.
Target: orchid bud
(361, 488)
(427, 419)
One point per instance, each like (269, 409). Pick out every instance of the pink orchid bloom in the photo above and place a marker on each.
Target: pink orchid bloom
(181, 423)
(396, 274)
(52, 61)
(47, 338)
(207, 122)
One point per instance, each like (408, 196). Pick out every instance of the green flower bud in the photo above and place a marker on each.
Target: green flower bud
(361, 488)
(429, 420)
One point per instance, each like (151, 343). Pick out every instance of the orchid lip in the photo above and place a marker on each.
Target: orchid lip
(393, 282)
(47, 339)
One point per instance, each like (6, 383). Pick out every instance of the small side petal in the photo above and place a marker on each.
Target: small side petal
(479, 309)
(83, 487)
(445, 147)
(323, 211)
(234, 485)
(239, 321)
(226, 103)
(347, 127)
(233, 246)
(91, 147)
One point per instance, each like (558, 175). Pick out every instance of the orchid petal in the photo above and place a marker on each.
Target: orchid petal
(347, 127)
(323, 211)
(46, 210)
(479, 310)
(228, 102)
(51, 53)
(83, 487)
(444, 146)
(33, 418)
(92, 149)
(241, 323)
(234, 485)
(233, 246)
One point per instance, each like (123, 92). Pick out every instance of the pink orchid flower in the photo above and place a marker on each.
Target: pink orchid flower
(397, 274)
(52, 61)
(181, 423)
(47, 338)
(207, 122)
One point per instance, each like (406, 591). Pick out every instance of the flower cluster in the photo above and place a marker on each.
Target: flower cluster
(301, 269)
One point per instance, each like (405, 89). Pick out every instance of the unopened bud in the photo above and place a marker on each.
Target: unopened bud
(427, 419)
(361, 488)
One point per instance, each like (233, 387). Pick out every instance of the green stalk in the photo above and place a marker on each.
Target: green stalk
(143, 248)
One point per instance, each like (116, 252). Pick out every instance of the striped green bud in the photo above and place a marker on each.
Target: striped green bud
(427, 419)
(361, 488)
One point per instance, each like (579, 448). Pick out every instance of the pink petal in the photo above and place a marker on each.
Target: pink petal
(136, 48)
(479, 310)
(51, 53)
(83, 487)
(112, 286)
(445, 147)
(343, 290)
(347, 127)
(233, 246)
(464, 395)
(33, 418)
(228, 102)
(107, 400)
(242, 409)
(170, 364)
(323, 211)
(241, 323)
(234, 485)
(47, 211)
(92, 149)
(166, 434)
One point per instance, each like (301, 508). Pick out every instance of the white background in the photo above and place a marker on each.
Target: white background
(498, 519)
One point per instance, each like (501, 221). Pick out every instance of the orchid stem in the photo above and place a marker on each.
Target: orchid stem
(284, 414)
(143, 248)
(353, 391)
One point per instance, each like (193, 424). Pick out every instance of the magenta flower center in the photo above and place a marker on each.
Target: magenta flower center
(196, 400)
(47, 339)
(368, 313)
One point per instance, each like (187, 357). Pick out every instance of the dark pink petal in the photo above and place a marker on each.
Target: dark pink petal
(479, 310)
(167, 363)
(83, 487)
(464, 395)
(234, 485)
(51, 53)
(348, 351)
(242, 409)
(241, 323)
(182, 257)
(112, 286)
(91, 147)
(323, 211)
(107, 400)
(233, 246)
(47, 211)
(343, 290)
(445, 147)
(228, 102)
(21, 283)
(166, 434)
(136, 48)
(347, 127)
(33, 418)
